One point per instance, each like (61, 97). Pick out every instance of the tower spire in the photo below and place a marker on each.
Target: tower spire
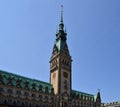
(61, 25)
(61, 33)
(61, 14)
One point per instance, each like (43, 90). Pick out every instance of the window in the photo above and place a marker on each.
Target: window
(18, 92)
(18, 103)
(46, 105)
(10, 91)
(40, 96)
(1, 89)
(26, 94)
(9, 101)
(33, 105)
(33, 95)
(40, 105)
(1, 101)
(52, 98)
(46, 97)
(26, 103)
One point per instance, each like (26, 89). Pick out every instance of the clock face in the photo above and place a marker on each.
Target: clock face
(65, 74)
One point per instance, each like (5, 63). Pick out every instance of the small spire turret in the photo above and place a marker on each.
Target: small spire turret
(98, 99)
(98, 94)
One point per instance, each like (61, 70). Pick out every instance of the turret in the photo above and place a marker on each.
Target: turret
(98, 99)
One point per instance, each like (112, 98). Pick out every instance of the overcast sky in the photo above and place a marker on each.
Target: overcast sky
(27, 35)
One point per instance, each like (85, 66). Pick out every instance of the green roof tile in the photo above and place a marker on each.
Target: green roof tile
(60, 44)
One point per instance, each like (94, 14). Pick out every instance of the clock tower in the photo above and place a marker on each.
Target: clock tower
(60, 63)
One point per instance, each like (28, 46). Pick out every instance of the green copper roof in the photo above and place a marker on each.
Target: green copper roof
(60, 44)
(82, 95)
(5, 75)
(61, 34)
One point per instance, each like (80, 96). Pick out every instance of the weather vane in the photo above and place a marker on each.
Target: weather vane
(62, 8)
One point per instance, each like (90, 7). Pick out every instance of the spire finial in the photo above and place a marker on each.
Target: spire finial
(98, 90)
(61, 13)
(61, 25)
